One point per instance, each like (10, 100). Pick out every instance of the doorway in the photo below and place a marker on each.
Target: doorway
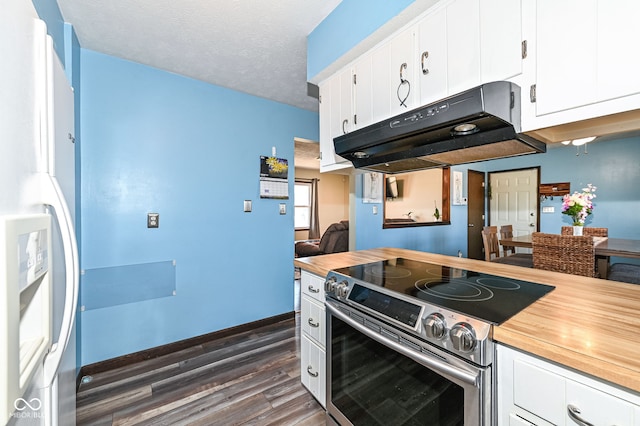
(475, 214)
(513, 200)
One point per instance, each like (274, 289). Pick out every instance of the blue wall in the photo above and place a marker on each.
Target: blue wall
(613, 166)
(350, 22)
(158, 142)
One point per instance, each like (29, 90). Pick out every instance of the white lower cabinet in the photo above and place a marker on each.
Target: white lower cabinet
(312, 342)
(538, 392)
(312, 369)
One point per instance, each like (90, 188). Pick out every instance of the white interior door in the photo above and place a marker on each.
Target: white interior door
(514, 200)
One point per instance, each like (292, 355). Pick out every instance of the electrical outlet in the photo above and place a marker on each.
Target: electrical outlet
(283, 209)
(153, 220)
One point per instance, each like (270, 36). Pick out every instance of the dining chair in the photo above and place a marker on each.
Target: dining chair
(492, 248)
(564, 253)
(506, 231)
(587, 231)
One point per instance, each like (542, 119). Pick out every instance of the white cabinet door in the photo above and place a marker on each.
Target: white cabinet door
(362, 97)
(597, 407)
(335, 115)
(566, 54)
(312, 369)
(463, 45)
(432, 50)
(381, 83)
(313, 320)
(500, 39)
(618, 66)
(402, 72)
(341, 120)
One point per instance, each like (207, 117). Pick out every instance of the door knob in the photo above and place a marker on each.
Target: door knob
(471, 225)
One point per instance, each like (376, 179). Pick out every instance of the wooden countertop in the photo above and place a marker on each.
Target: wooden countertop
(588, 324)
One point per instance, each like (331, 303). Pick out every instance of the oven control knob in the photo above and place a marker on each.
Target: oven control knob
(434, 326)
(330, 284)
(342, 289)
(463, 337)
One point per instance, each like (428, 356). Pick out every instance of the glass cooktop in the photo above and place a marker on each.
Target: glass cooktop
(483, 296)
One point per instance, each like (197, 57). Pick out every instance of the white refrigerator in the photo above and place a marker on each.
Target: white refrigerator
(38, 253)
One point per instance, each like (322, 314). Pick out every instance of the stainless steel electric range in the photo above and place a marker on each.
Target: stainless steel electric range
(416, 339)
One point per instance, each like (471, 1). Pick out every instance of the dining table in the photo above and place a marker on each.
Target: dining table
(605, 247)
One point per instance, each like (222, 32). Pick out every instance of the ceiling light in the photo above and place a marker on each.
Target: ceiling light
(565, 142)
(582, 141)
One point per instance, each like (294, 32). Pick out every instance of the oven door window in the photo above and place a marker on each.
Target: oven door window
(374, 385)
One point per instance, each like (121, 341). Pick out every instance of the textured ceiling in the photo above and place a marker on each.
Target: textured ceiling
(252, 46)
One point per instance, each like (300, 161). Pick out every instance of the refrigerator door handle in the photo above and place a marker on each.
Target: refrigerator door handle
(53, 196)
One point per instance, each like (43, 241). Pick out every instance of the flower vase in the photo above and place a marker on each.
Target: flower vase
(577, 230)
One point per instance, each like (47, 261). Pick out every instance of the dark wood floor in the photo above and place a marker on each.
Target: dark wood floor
(251, 378)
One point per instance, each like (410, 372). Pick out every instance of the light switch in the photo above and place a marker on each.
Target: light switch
(247, 206)
(548, 209)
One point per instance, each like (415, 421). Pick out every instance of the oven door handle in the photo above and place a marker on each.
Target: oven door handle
(433, 363)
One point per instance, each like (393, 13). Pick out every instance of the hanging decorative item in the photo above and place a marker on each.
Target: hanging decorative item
(403, 82)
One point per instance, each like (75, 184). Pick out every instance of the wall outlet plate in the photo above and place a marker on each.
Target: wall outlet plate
(247, 206)
(153, 220)
(283, 209)
(548, 209)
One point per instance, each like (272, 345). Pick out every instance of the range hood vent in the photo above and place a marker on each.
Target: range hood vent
(480, 124)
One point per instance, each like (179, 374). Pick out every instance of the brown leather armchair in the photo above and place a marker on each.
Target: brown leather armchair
(334, 240)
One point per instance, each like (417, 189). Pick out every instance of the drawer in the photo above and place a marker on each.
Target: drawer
(313, 286)
(312, 317)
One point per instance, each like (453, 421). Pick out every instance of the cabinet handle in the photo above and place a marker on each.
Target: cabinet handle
(403, 81)
(310, 371)
(313, 324)
(425, 56)
(344, 123)
(312, 289)
(573, 414)
(402, 67)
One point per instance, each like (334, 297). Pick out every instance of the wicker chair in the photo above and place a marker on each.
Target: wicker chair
(492, 247)
(506, 231)
(564, 253)
(587, 231)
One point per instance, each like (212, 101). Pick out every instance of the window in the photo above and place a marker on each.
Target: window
(302, 205)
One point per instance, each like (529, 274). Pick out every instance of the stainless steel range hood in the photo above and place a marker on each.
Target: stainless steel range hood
(480, 124)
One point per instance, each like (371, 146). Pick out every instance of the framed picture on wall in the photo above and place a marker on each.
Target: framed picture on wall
(457, 189)
(372, 187)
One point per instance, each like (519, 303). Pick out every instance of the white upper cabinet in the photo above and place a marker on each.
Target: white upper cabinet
(402, 72)
(335, 118)
(618, 65)
(463, 45)
(501, 51)
(432, 51)
(583, 53)
(566, 58)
